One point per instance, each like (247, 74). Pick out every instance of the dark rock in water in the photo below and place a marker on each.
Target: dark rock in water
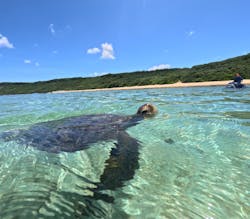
(169, 141)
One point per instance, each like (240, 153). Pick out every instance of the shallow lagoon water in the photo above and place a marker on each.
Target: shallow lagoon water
(194, 157)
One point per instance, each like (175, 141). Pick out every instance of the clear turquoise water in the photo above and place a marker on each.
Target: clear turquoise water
(203, 173)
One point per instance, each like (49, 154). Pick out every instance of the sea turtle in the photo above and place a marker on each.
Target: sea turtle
(79, 132)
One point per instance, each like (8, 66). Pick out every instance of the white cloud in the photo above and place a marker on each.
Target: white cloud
(93, 50)
(27, 61)
(107, 51)
(99, 74)
(159, 67)
(245, 53)
(190, 33)
(59, 31)
(52, 29)
(4, 42)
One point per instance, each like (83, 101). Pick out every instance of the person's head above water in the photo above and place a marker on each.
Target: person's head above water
(147, 110)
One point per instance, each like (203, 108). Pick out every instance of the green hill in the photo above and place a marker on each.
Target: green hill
(216, 71)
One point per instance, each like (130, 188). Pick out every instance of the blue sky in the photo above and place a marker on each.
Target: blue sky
(47, 39)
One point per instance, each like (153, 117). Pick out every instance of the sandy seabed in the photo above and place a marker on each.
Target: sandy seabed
(175, 85)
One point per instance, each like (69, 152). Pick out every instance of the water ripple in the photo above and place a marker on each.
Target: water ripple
(194, 157)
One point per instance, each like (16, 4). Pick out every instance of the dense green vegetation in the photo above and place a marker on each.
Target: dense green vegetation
(215, 71)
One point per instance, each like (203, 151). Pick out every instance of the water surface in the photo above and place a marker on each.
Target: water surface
(194, 157)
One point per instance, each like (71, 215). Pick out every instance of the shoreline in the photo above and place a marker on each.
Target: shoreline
(175, 85)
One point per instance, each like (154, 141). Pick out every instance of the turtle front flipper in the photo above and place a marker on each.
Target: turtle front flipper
(122, 164)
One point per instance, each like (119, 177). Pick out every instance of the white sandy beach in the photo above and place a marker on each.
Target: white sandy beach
(175, 85)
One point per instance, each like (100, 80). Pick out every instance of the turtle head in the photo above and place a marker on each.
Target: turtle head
(146, 110)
